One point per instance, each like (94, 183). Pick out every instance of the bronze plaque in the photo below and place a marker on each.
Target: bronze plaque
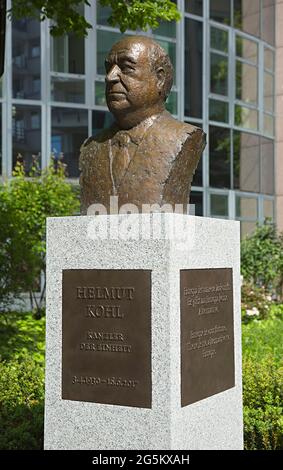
(207, 333)
(106, 330)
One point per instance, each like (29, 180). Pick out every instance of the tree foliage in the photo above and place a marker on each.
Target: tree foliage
(24, 205)
(127, 14)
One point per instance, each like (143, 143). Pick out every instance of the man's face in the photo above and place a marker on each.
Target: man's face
(131, 84)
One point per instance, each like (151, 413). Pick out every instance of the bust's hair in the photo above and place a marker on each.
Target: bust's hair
(159, 58)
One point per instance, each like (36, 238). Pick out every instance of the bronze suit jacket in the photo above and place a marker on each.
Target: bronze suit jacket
(160, 171)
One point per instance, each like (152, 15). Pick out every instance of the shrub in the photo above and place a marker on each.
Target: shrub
(256, 302)
(22, 336)
(21, 405)
(22, 343)
(262, 338)
(263, 381)
(262, 258)
(263, 404)
(24, 205)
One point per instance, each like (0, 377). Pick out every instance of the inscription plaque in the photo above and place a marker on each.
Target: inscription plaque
(207, 333)
(106, 336)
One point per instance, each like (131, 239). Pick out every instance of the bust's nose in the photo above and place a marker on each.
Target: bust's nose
(113, 74)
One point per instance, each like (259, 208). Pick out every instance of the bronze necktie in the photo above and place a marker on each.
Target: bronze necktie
(121, 145)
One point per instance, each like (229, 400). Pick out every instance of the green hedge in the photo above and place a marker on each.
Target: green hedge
(263, 408)
(21, 381)
(263, 382)
(21, 405)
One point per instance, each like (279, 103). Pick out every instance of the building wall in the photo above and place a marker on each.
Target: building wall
(223, 51)
(279, 114)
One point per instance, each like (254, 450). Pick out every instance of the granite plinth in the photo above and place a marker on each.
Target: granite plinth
(164, 245)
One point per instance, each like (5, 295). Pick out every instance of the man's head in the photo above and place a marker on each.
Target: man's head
(139, 77)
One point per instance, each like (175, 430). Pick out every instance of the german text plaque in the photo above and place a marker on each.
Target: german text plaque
(106, 336)
(207, 333)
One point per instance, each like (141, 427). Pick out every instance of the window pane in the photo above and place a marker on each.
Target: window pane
(218, 111)
(103, 14)
(246, 164)
(247, 228)
(268, 59)
(196, 199)
(247, 16)
(268, 21)
(26, 59)
(100, 98)
(170, 48)
(26, 135)
(219, 39)
(69, 130)
(195, 7)
(268, 92)
(246, 83)
(267, 166)
(172, 103)
(193, 68)
(101, 120)
(218, 205)
(220, 10)
(268, 209)
(219, 157)
(64, 89)
(105, 41)
(76, 54)
(246, 117)
(68, 54)
(166, 28)
(219, 74)
(247, 49)
(246, 207)
(268, 125)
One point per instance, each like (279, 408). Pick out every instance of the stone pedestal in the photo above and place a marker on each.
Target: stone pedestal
(143, 333)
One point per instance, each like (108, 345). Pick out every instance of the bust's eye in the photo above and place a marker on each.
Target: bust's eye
(126, 68)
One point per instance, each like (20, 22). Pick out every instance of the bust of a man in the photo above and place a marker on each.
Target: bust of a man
(146, 156)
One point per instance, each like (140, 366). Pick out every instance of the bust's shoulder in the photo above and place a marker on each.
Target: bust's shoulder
(102, 136)
(167, 120)
(172, 130)
(93, 146)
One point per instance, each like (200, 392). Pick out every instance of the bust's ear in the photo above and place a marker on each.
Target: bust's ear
(160, 72)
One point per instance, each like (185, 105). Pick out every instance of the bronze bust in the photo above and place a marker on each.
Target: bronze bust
(147, 156)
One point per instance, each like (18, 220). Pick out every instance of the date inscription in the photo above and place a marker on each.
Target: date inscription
(110, 381)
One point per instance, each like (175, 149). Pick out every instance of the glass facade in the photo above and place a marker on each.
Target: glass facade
(0, 140)
(26, 58)
(52, 97)
(26, 134)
